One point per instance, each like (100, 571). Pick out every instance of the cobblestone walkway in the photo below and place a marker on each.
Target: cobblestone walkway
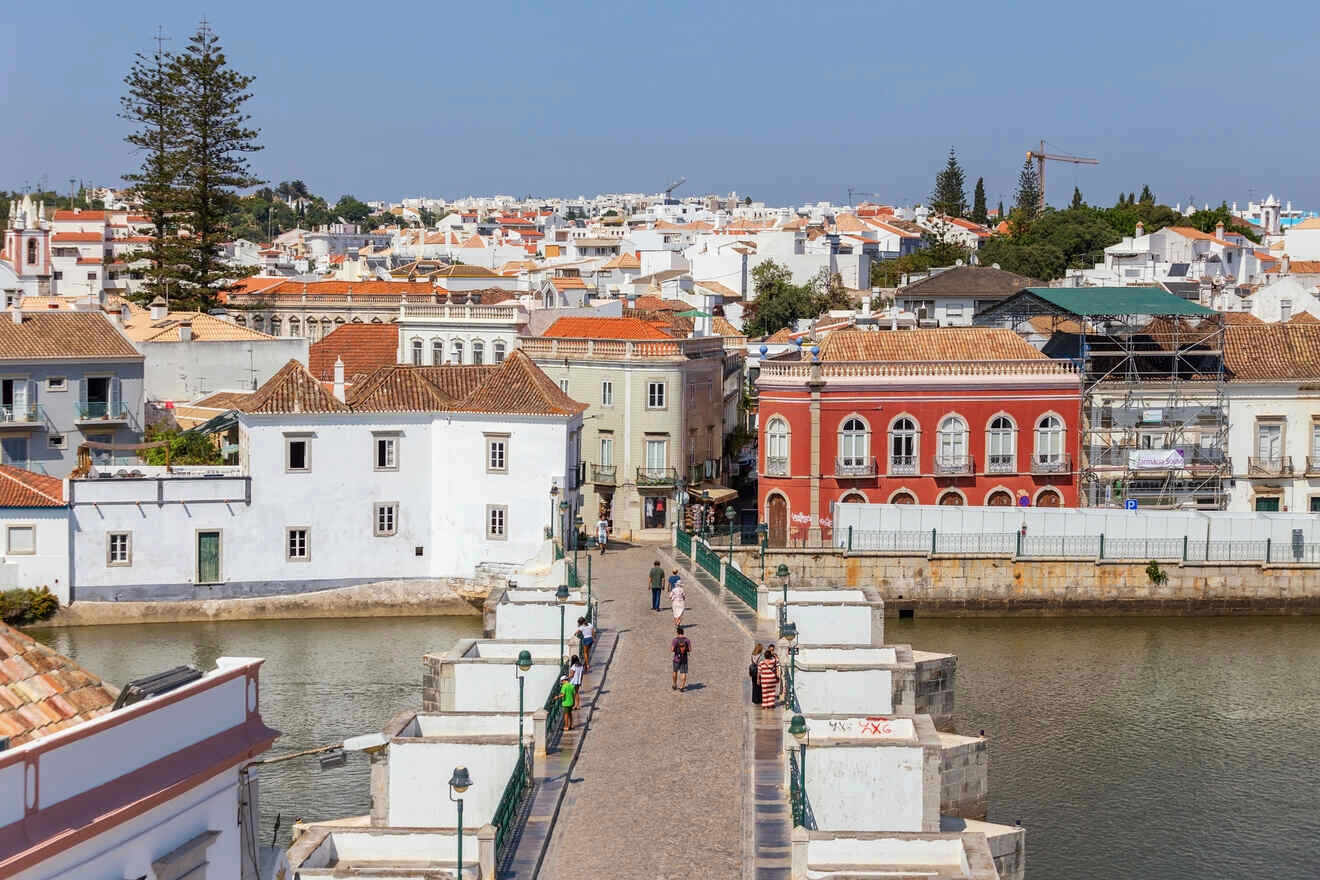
(657, 792)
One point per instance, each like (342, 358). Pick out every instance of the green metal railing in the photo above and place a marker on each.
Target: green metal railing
(684, 543)
(740, 585)
(559, 551)
(509, 809)
(708, 559)
(797, 793)
(573, 582)
(554, 712)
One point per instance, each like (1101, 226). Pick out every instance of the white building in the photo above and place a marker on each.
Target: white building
(459, 333)
(35, 520)
(1279, 301)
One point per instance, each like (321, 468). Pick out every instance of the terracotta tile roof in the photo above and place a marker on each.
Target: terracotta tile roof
(942, 344)
(254, 284)
(1308, 223)
(722, 290)
(340, 288)
(1272, 352)
(224, 400)
(517, 267)
(1191, 232)
(520, 386)
(1239, 319)
(462, 271)
(51, 334)
(364, 348)
(23, 488)
(90, 216)
(42, 692)
(659, 304)
(982, 282)
(1051, 324)
(516, 386)
(1266, 257)
(625, 260)
(474, 241)
(603, 328)
(722, 327)
(293, 390)
(205, 328)
(570, 283)
(1304, 267)
(89, 261)
(780, 336)
(42, 303)
(91, 237)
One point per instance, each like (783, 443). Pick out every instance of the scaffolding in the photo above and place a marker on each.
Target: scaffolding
(1154, 395)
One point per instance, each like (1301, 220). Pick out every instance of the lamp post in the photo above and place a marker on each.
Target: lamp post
(521, 665)
(459, 782)
(561, 596)
(563, 511)
(763, 533)
(798, 729)
(577, 533)
(782, 573)
(730, 514)
(554, 493)
(788, 632)
(705, 508)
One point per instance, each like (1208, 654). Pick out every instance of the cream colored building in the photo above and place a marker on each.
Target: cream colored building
(655, 417)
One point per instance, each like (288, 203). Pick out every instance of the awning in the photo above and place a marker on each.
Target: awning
(718, 494)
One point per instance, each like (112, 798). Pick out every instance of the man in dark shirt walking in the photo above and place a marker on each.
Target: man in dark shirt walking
(681, 648)
(657, 579)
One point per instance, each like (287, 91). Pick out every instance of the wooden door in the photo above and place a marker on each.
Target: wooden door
(951, 499)
(903, 498)
(778, 521)
(1000, 499)
(1048, 498)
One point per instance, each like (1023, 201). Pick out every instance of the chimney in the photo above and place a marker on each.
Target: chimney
(339, 379)
(185, 331)
(1285, 265)
(1141, 228)
(158, 309)
(16, 313)
(125, 313)
(1219, 230)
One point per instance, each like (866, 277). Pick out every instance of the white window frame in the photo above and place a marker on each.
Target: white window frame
(496, 442)
(1005, 438)
(110, 559)
(606, 443)
(9, 539)
(952, 441)
(656, 400)
(563, 385)
(57, 383)
(606, 393)
(289, 440)
(56, 441)
(854, 445)
(376, 510)
(497, 522)
(306, 555)
(390, 442)
(499, 351)
(1041, 432)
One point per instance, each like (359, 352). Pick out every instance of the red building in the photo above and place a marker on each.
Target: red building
(968, 415)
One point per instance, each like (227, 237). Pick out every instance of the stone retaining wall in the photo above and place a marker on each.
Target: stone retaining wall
(956, 585)
(963, 776)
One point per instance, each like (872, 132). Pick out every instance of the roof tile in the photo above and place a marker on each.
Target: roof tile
(603, 328)
(33, 706)
(940, 344)
(52, 334)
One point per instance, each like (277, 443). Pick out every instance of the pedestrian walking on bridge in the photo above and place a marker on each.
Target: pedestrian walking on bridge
(657, 579)
(769, 669)
(681, 647)
(754, 673)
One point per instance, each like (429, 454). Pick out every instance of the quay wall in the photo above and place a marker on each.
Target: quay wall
(954, 585)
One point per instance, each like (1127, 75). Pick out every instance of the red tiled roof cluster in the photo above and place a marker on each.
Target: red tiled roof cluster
(24, 488)
(1272, 352)
(936, 344)
(42, 692)
(603, 328)
(363, 348)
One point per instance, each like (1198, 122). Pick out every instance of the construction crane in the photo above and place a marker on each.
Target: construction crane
(1040, 158)
(673, 186)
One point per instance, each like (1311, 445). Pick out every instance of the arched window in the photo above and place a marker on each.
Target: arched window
(32, 251)
(1049, 441)
(417, 352)
(854, 442)
(1048, 498)
(275, 325)
(1001, 446)
(295, 327)
(999, 498)
(357, 320)
(437, 351)
(903, 447)
(951, 499)
(951, 448)
(499, 351)
(903, 497)
(853, 498)
(258, 322)
(240, 320)
(776, 447)
(478, 351)
(339, 321)
(456, 351)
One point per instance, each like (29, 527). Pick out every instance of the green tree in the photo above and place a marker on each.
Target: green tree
(950, 195)
(1001, 209)
(779, 302)
(1028, 203)
(1147, 197)
(1077, 199)
(351, 210)
(215, 140)
(979, 212)
(185, 447)
(151, 104)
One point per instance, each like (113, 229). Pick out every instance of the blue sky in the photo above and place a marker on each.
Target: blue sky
(785, 101)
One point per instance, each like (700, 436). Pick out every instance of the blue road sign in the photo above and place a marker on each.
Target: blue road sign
(1130, 504)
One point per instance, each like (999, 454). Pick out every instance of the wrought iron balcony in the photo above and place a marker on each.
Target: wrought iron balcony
(1003, 463)
(1269, 467)
(776, 466)
(952, 465)
(903, 465)
(664, 476)
(603, 474)
(852, 466)
(1051, 464)
(1312, 465)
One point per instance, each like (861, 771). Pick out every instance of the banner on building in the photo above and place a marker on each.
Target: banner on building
(1155, 459)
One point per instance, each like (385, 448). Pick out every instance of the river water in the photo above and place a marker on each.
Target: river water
(1132, 747)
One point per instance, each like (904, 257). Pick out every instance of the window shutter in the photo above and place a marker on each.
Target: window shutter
(114, 395)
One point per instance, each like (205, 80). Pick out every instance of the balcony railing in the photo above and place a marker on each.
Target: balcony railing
(903, 465)
(22, 415)
(1312, 465)
(1269, 467)
(1001, 464)
(603, 474)
(101, 411)
(776, 466)
(663, 476)
(948, 465)
(1051, 464)
(851, 466)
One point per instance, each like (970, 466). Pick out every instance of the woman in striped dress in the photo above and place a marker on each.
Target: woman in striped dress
(769, 669)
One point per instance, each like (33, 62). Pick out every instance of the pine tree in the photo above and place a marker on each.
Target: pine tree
(1132, 198)
(950, 196)
(979, 214)
(151, 105)
(215, 142)
(1028, 192)
(1001, 209)
(1077, 199)
(1147, 197)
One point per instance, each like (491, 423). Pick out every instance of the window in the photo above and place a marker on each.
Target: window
(853, 443)
(295, 328)
(1267, 503)
(21, 540)
(607, 393)
(119, 548)
(296, 544)
(903, 447)
(607, 451)
(275, 326)
(417, 352)
(657, 454)
(496, 522)
(1269, 443)
(385, 517)
(91, 276)
(776, 447)
(999, 445)
(1285, 309)
(55, 441)
(456, 351)
(297, 454)
(57, 383)
(499, 351)
(497, 452)
(1049, 440)
(951, 448)
(1315, 444)
(655, 395)
(32, 251)
(478, 351)
(437, 352)
(387, 449)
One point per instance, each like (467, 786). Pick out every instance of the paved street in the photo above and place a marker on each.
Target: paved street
(657, 793)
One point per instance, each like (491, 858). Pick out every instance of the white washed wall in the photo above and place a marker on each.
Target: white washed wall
(420, 771)
(522, 620)
(49, 565)
(855, 788)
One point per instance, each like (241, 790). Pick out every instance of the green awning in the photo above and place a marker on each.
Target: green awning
(693, 313)
(1090, 302)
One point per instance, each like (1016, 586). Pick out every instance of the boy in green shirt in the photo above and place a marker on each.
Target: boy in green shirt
(567, 697)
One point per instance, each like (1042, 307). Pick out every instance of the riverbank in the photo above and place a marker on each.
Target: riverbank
(383, 599)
